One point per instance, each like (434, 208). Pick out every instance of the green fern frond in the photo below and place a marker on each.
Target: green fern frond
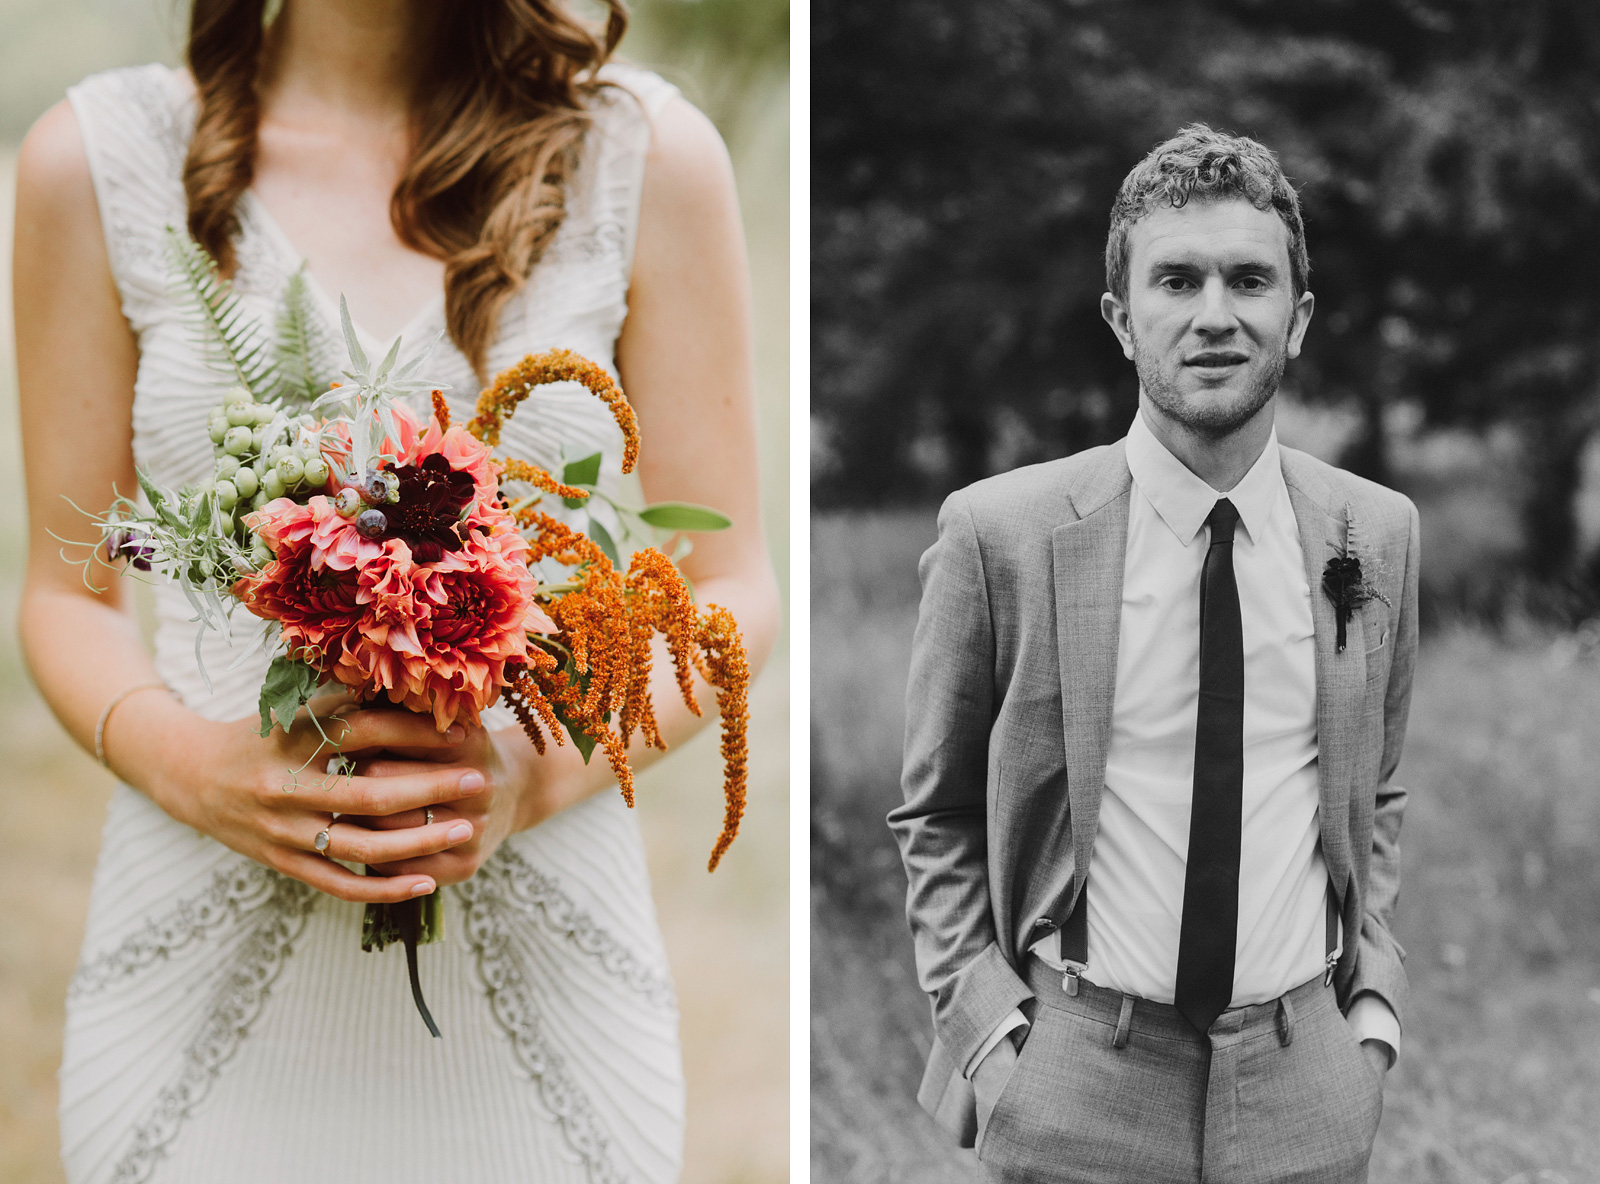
(303, 342)
(227, 331)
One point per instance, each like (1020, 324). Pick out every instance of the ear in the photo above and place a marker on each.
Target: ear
(1116, 315)
(1298, 320)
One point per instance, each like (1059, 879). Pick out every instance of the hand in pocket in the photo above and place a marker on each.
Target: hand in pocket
(991, 1076)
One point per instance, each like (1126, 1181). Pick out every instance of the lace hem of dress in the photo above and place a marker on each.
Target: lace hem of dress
(540, 896)
(236, 1007)
(511, 1002)
(232, 892)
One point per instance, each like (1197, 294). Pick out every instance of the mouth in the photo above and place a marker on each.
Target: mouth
(1216, 360)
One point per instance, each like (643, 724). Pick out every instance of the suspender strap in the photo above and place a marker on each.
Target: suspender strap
(1333, 937)
(1075, 931)
(1073, 934)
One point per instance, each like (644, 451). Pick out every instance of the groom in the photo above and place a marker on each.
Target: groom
(1157, 696)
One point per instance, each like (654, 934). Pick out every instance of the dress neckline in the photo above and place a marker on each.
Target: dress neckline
(424, 318)
(427, 316)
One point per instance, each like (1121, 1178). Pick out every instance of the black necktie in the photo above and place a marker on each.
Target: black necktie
(1211, 881)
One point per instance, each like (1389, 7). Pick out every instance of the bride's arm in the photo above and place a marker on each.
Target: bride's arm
(686, 361)
(76, 363)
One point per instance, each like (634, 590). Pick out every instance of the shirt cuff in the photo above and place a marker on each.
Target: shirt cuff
(1007, 1026)
(1373, 1019)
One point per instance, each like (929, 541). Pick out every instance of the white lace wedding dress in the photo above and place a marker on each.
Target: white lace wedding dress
(224, 1026)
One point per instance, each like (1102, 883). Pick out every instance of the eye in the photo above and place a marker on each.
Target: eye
(1251, 283)
(1175, 283)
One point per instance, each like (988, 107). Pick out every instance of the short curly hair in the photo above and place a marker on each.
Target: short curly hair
(1199, 162)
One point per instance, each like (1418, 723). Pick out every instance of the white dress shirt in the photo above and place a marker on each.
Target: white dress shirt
(1136, 871)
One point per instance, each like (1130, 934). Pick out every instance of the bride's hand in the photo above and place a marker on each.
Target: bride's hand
(269, 798)
(521, 789)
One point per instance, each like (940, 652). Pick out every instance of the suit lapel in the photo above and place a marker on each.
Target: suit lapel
(1088, 559)
(1341, 677)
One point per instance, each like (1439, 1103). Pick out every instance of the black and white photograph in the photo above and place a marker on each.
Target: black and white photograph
(1205, 591)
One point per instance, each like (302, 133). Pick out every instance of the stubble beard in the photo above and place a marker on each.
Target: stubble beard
(1217, 419)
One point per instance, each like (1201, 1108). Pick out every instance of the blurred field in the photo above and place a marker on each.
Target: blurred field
(727, 935)
(1499, 1078)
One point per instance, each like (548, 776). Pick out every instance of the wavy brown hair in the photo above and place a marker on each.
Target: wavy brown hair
(495, 137)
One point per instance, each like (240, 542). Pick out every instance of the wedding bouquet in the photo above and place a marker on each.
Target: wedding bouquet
(403, 561)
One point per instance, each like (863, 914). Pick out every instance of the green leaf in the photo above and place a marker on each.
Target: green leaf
(302, 342)
(290, 682)
(581, 740)
(151, 490)
(602, 539)
(223, 323)
(582, 472)
(584, 743)
(159, 501)
(358, 356)
(388, 359)
(684, 516)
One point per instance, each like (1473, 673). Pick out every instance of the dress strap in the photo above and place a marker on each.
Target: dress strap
(135, 123)
(626, 114)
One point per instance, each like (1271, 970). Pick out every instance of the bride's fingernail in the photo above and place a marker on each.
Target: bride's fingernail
(423, 888)
(471, 780)
(461, 830)
(456, 734)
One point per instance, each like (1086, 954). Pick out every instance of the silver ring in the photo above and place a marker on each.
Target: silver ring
(321, 842)
(428, 814)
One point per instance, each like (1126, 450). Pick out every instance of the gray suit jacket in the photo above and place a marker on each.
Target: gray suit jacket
(1008, 717)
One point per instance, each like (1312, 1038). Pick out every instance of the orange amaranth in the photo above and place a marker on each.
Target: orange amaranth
(515, 384)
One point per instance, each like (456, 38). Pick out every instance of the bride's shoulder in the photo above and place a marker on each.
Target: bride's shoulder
(52, 160)
(675, 133)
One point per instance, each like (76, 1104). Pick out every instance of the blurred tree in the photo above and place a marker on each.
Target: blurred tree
(964, 161)
(731, 49)
(47, 45)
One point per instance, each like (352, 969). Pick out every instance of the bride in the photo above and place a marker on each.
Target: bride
(472, 168)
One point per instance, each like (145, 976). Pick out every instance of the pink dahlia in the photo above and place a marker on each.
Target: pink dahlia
(428, 612)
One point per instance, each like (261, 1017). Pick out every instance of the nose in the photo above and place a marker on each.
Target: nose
(1215, 316)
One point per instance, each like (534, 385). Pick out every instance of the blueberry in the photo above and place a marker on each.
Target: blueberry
(372, 523)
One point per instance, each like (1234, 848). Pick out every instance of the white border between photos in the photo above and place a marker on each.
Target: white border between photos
(799, 590)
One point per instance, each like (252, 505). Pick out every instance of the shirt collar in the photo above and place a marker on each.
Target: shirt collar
(1183, 500)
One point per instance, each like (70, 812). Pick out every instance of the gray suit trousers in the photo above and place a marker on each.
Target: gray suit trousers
(1118, 1090)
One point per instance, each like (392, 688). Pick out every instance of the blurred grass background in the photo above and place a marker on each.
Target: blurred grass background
(727, 935)
(1499, 1078)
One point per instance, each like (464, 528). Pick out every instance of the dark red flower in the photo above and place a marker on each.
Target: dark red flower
(428, 514)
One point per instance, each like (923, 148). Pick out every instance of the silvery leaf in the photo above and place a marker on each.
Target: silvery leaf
(200, 662)
(422, 356)
(388, 360)
(358, 356)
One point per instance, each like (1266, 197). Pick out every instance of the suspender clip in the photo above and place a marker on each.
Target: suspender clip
(1327, 976)
(1069, 980)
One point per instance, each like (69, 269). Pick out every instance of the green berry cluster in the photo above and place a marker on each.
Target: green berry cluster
(261, 453)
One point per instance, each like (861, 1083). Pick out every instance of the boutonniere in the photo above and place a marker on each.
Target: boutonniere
(1345, 583)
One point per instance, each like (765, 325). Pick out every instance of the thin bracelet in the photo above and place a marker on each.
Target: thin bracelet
(100, 728)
